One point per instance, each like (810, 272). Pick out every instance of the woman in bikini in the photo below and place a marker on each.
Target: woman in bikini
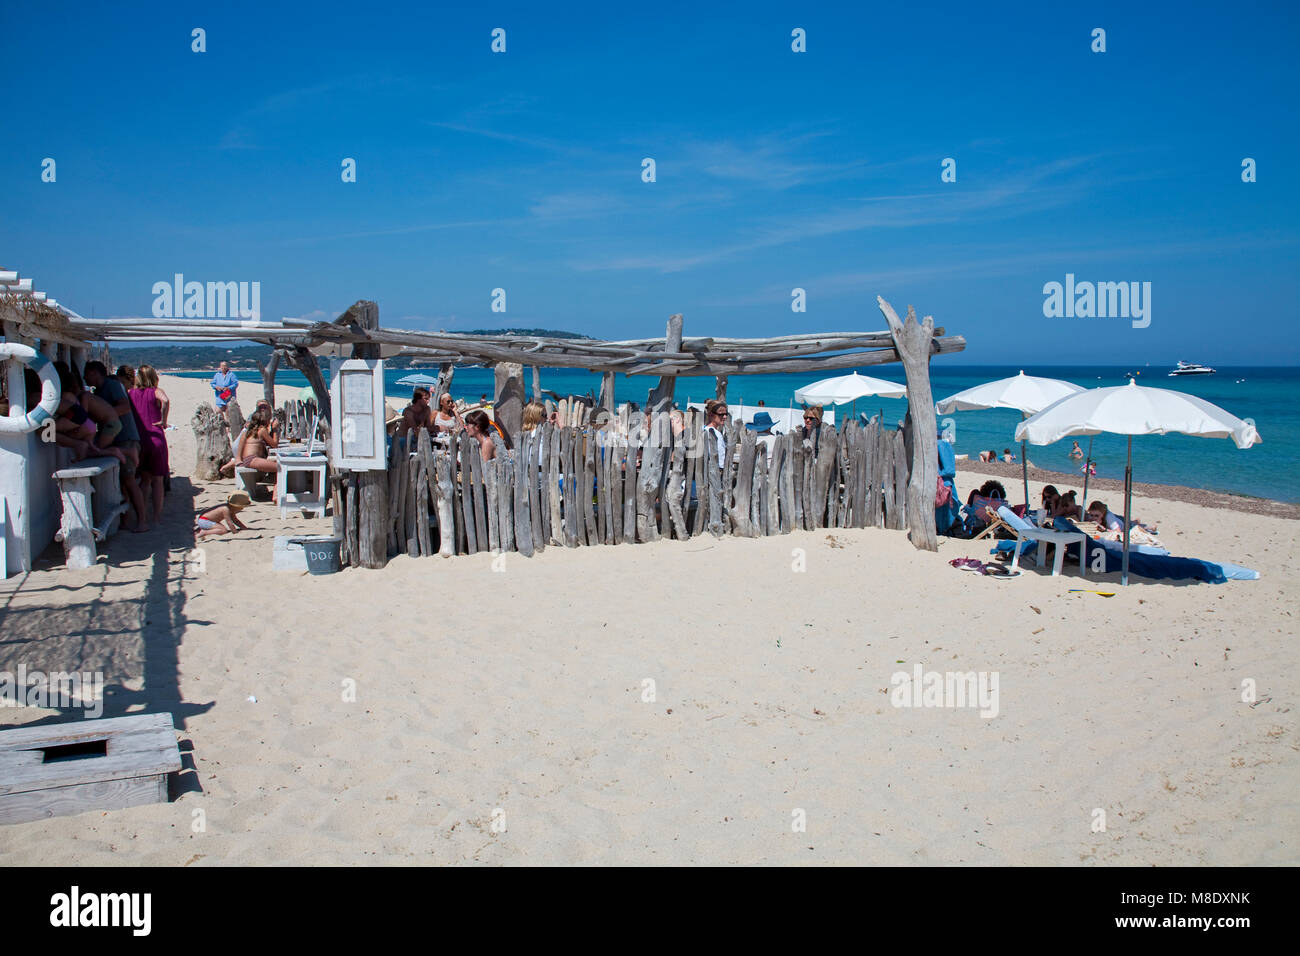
(253, 453)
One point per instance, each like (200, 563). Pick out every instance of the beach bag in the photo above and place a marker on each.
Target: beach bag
(225, 394)
(942, 494)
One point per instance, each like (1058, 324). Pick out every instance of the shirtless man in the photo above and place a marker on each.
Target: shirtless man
(416, 415)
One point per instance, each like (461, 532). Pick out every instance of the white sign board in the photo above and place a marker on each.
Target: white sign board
(357, 438)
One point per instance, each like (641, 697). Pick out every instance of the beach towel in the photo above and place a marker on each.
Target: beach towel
(1161, 566)
(946, 513)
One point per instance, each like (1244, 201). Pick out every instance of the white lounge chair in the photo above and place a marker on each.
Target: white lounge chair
(1026, 532)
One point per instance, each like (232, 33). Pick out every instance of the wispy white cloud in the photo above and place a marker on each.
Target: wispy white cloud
(773, 161)
(575, 205)
(963, 263)
(1014, 195)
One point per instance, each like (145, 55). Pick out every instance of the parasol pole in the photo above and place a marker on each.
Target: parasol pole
(1087, 470)
(1024, 466)
(1128, 505)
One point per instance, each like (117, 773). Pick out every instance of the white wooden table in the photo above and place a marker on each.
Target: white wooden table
(315, 468)
(1061, 539)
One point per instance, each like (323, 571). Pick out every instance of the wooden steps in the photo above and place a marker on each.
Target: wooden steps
(59, 769)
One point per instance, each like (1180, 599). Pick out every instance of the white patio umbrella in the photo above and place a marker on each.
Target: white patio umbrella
(848, 388)
(1027, 394)
(1130, 410)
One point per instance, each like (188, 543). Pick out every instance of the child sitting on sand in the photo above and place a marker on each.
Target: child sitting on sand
(222, 518)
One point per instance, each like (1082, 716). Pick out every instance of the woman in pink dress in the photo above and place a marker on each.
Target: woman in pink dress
(151, 405)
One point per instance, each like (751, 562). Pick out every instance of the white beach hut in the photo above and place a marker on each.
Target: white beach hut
(36, 331)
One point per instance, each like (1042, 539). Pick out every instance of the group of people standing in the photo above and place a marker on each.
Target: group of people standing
(123, 416)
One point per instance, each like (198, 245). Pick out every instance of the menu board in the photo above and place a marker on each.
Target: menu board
(357, 439)
(358, 419)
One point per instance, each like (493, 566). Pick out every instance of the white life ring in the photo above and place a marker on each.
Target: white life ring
(51, 390)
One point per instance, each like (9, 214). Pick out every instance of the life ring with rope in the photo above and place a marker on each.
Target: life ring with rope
(51, 390)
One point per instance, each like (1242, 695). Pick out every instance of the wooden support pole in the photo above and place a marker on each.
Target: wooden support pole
(508, 403)
(445, 497)
(268, 377)
(606, 400)
(914, 341)
(302, 359)
(661, 397)
(720, 388)
(372, 486)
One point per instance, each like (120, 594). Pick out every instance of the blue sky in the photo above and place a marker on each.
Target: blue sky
(775, 170)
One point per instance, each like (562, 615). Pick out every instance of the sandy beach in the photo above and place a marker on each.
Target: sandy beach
(503, 716)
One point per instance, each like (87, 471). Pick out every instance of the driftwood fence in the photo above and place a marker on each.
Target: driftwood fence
(572, 486)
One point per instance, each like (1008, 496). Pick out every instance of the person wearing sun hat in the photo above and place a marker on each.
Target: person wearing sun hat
(223, 518)
(763, 424)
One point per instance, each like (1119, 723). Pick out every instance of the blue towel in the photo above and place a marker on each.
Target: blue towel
(945, 516)
(1162, 566)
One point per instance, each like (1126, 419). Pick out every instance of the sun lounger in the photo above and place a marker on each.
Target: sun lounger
(982, 514)
(1026, 532)
(1166, 566)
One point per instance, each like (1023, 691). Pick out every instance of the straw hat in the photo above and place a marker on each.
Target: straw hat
(391, 416)
(239, 500)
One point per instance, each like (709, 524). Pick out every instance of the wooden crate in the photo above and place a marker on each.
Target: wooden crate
(59, 769)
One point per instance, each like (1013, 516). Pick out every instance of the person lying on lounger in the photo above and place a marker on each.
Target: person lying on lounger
(1098, 512)
(223, 518)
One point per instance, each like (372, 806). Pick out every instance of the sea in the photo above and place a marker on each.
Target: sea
(1267, 395)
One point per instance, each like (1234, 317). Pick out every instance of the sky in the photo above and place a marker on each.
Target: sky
(774, 169)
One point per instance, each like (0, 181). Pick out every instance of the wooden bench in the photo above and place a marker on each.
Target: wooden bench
(92, 508)
(59, 769)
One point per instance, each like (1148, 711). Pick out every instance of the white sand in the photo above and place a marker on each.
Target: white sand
(522, 691)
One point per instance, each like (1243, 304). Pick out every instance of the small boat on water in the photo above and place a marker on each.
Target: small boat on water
(1191, 368)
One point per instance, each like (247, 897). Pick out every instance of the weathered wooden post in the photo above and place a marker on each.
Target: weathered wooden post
(446, 370)
(268, 377)
(720, 389)
(211, 442)
(606, 400)
(235, 416)
(371, 486)
(508, 404)
(661, 396)
(302, 359)
(913, 340)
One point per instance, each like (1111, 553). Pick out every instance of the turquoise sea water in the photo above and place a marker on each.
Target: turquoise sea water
(1266, 395)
